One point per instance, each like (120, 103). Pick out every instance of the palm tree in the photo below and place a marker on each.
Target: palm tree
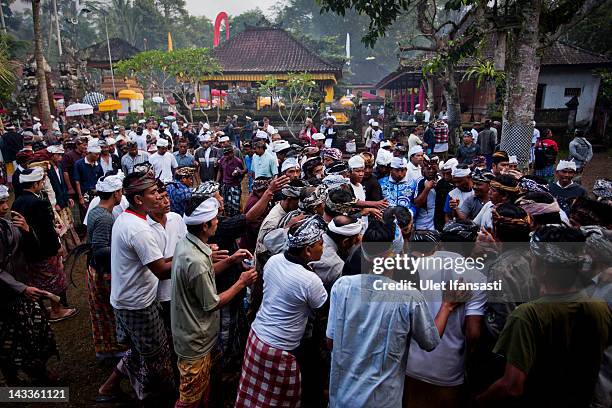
(43, 96)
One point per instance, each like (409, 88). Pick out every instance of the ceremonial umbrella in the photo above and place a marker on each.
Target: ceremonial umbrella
(157, 99)
(109, 105)
(93, 98)
(79, 109)
(127, 94)
(169, 118)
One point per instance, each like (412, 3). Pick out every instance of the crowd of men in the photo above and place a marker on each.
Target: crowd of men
(230, 267)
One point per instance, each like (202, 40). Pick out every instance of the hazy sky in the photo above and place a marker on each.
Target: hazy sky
(210, 8)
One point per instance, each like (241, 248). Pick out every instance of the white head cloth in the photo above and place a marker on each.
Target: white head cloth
(4, 192)
(449, 164)
(458, 172)
(348, 230)
(383, 157)
(161, 142)
(261, 135)
(224, 139)
(512, 160)
(356, 162)
(205, 212)
(318, 136)
(414, 150)
(399, 163)
(566, 165)
(36, 174)
(290, 163)
(110, 184)
(55, 149)
(93, 146)
(281, 145)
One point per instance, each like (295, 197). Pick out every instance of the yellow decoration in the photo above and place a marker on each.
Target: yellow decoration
(127, 94)
(109, 105)
(329, 93)
(170, 47)
(346, 102)
(138, 96)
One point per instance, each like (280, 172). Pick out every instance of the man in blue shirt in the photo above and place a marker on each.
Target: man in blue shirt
(179, 191)
(183, 158)
(87, 171)
(396, 189)
(264, 161)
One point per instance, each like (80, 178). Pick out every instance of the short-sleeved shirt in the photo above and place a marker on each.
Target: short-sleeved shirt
(445, 365)
(471, 206)
(167, 237)
(128, 162)
(454, 194)
(265, 165)
(195, 322)
(290, 291)
(133, 246)
(179, 195)
(424, 219)
(163, 165)
(558, 342)
(228, 166)
(371, 331)
(87, 174)
(68, 161)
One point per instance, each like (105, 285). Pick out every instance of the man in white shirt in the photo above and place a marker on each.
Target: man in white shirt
(475, 131)
(168, 228)
(462, 179)
(137, 265)
(414, 165)
(163, 162)
(36, 126)
(291, 292)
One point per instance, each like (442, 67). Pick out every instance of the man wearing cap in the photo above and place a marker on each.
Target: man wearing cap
(331, 137)
(264, 162)
(564, 189)
(179, 191)
(377, 138)
(425, 197)
(45, 268)
(291, 168)
(108, 161)
(397, 189)
(281, 148)
(133, 158)
(36, 126)
(223, 142)
(87, 171)
(195, 309)
(383, 161)
(281, 320)
(356, 173)
(231, 172)
(367, 135)
(462, 180)
(163, 162)
(137, 265)
(319, 141)
(206, 158)
(414, 165)
(56, 178)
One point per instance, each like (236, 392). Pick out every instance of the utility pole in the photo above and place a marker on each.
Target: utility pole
(110, 58)
(2, 18)
(57, 29)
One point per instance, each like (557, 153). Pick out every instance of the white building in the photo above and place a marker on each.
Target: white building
(568, 71)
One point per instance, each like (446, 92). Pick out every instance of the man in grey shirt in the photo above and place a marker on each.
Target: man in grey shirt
(487, 141)
(133, 158)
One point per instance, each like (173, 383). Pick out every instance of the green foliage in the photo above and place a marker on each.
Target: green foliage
(8, 80)
(254, 17)
(484, 71)
(292, 96)
(605, 87)
(594, 32)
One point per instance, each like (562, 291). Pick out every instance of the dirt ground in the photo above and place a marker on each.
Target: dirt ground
(78, 367)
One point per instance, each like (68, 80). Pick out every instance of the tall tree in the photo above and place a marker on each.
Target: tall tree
(43, 96)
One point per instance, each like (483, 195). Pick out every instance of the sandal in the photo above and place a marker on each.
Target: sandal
(72, 313)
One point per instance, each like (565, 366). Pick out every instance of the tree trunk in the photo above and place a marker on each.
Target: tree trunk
(43, 96)
(430, 97)
(522, 71)
(453, 108)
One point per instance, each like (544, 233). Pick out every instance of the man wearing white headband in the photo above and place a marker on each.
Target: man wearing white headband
(196, 303)
(564, 189)
(415, 155)
(463, 190)
(512, 162)
(281, 320)
(87, 171)
(163, 163)
(264, 161)
(319, 139)
(206, 157)
(357, 172)
(396, 188)
(341, 236)
(45, 257)
(290, 168)
(100, 222)
(4, 206)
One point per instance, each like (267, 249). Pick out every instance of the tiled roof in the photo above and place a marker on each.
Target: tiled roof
(120, 50)
(564, 54)
(269, 50)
